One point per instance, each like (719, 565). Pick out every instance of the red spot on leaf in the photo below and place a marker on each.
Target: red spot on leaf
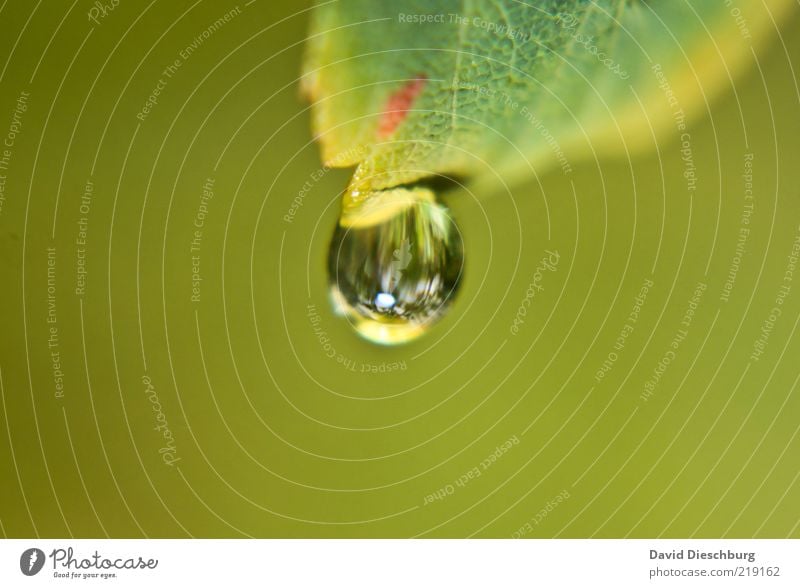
(398, 105)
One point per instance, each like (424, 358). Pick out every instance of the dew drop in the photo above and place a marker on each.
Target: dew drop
(395, 263)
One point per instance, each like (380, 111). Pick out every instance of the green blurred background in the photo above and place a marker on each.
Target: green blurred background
(279, 420)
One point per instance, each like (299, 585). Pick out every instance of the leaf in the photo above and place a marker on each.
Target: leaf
(413, 89)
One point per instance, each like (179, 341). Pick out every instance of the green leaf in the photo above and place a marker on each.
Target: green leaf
(412, 89)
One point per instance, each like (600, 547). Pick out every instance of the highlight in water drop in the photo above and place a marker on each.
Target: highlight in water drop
(395, 263)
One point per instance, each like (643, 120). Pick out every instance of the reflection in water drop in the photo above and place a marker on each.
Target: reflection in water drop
(395, 264)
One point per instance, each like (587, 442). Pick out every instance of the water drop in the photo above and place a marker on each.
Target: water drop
(395, 263)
